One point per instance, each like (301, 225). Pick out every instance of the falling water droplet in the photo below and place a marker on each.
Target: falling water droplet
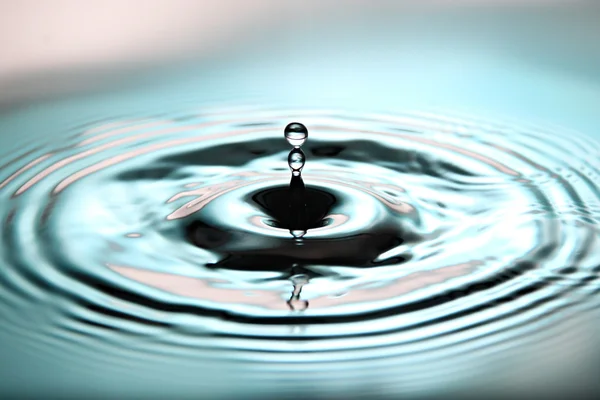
(296, 134)
(296, 161)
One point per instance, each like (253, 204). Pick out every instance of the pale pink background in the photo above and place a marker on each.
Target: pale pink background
(37, 35)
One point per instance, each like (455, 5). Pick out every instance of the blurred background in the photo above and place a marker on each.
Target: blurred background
(495, 55)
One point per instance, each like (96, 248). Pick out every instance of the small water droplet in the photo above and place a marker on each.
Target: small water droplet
(296, 160)
(296, 134)
(298, 233)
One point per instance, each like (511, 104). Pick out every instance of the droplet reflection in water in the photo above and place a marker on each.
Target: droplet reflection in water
(159, 248)
(295, 303)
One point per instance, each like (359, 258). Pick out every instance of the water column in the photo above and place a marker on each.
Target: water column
(296, 135)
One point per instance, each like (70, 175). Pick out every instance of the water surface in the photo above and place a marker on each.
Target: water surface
(445, 253)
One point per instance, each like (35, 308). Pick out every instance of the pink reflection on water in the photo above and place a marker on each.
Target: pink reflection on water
(122, 130)
(398, 206)
(212, 192)
(337, 220)
(206, 195)
(148, 149)
(201, 289)
(23, 169)
(471, 154)
(399, 287)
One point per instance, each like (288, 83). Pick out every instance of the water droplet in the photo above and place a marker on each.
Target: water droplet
(296, 161)
(298, 233)
(296, 134)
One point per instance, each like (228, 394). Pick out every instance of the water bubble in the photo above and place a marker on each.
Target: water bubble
(296, 161)
(296, 134)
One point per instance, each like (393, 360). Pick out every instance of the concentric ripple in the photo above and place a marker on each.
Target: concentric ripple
(447, 250)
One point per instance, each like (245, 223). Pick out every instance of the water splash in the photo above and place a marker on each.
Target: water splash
(465, 248)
